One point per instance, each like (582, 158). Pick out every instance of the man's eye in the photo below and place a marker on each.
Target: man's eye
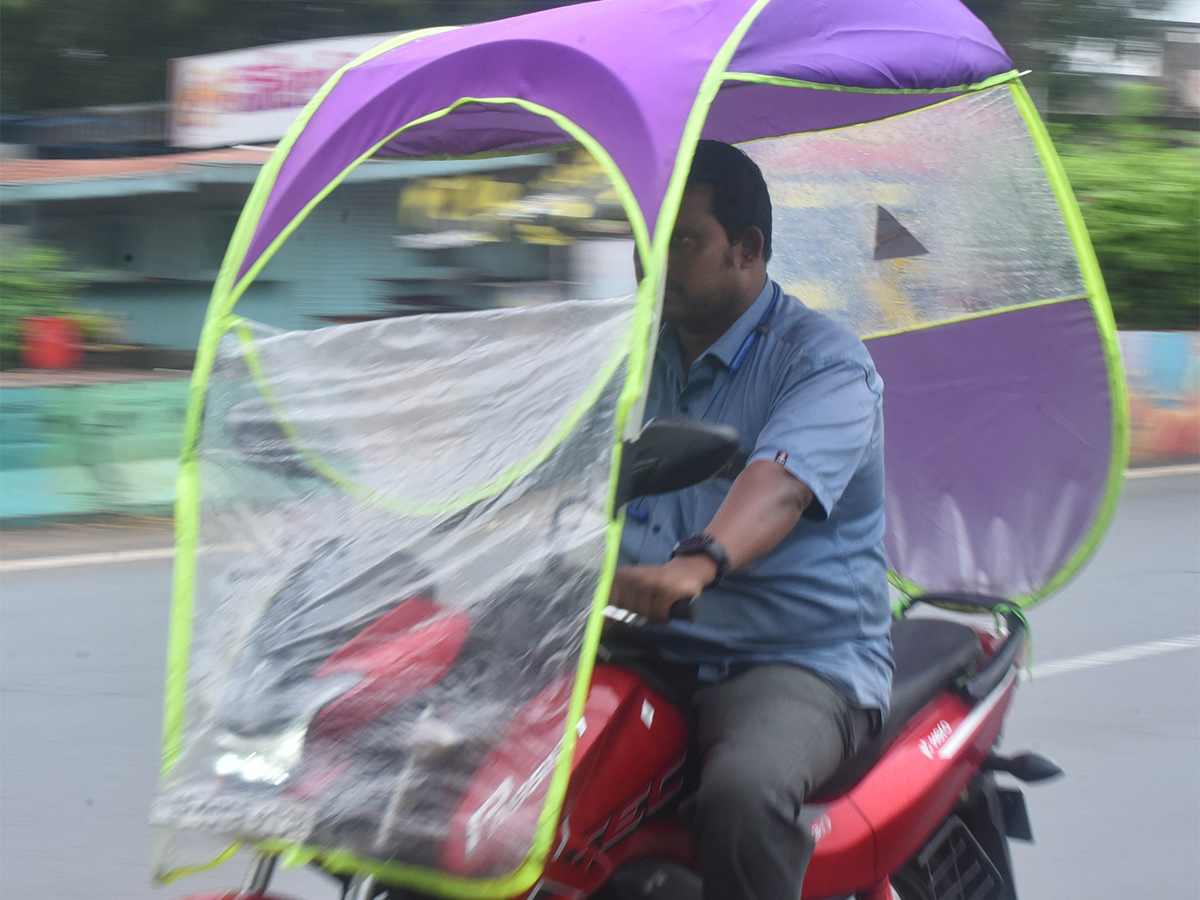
(682, 242)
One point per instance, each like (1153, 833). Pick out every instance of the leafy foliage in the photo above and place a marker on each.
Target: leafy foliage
(1139, 189)
(36, 280)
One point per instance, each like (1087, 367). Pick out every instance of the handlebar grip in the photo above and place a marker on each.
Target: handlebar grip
(686, 609)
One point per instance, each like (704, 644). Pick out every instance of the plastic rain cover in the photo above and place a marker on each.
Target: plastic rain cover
(366, 627)
(937, 236)
(389, 552)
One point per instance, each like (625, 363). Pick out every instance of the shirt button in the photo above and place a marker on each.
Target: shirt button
(683, 408)
(656, 528)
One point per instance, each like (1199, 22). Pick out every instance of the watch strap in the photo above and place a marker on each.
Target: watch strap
(704, 544)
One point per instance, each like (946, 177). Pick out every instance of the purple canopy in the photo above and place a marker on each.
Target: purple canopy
(612, 82)
(988, 320)
(637, 82)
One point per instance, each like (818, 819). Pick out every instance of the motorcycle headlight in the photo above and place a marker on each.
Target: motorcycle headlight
(265, 759)
(271, 757)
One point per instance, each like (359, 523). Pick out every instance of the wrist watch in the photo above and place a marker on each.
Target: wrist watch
(704, 544)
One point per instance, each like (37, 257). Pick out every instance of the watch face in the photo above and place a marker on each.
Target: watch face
(696, 543)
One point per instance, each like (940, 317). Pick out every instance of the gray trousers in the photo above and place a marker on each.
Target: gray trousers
(767, 737)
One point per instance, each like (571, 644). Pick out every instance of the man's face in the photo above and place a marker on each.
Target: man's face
(702, 276)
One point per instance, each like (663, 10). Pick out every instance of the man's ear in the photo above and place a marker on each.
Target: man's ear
(750, 246)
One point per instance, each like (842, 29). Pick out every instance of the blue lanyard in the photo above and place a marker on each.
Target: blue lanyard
(634, 511)
(744, 351)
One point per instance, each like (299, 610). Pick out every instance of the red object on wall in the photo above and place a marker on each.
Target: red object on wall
(50, 342)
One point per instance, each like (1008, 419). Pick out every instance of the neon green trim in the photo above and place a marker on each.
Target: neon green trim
(1106, 326)
(183, 871)
(636, 221)
(225, 297)
(187, 533)
(243, 233)
(752, 78)
(530, 870)
(187, 481)
(506, 478)
(1097, 298)
(392, 43)
(655, 262)
(911, 112)
(908, 591)
(526, 875)
(970, 317)
(709, 86)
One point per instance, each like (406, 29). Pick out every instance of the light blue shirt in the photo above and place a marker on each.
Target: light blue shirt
(806, 394)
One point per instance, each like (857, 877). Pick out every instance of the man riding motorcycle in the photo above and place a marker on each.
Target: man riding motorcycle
(790, 650)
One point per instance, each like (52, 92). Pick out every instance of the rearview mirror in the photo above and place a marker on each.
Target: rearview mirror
(671, 454)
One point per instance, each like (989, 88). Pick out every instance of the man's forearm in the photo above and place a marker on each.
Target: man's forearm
(762, 507)
(764, 503)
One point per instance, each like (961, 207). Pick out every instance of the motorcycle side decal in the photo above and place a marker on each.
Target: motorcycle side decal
(647, 713)
(609, 832)
(504, 802)
(821, 827)
(929, 744)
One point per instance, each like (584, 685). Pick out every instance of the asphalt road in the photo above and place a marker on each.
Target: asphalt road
(1115, 699)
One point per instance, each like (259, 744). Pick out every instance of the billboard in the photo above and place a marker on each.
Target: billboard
(251, 96)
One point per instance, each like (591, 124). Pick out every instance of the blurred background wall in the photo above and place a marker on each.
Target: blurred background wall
(131, 132)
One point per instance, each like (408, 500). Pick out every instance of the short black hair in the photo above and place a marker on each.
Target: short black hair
(740, 197)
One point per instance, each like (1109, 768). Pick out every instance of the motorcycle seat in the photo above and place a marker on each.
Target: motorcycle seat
(931, 655)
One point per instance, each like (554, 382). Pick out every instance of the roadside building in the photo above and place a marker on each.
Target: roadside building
(396, 237)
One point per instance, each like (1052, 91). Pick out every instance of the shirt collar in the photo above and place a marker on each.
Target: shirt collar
(727, 345)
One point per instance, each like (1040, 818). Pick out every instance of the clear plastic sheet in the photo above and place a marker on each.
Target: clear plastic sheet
(965, 182)
(915, 231)
(403, 527)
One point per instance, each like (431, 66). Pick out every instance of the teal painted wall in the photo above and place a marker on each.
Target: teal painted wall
(89, 449)
(153, 258)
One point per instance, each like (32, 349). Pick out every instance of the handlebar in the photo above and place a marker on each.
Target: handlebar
(686, 610)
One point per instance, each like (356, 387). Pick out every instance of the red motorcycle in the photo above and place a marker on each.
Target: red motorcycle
(916, 814)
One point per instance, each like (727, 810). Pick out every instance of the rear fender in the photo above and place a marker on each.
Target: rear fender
(921, 777)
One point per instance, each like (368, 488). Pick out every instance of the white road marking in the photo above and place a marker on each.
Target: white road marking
(85, 559)
(1190, 469)
(1116, 655)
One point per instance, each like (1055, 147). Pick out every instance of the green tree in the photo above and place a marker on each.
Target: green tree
(38, 280)
(35, 280)
(1139, 190)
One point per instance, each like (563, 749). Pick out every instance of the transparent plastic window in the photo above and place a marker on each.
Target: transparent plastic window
(402, 532)
(935, 215)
